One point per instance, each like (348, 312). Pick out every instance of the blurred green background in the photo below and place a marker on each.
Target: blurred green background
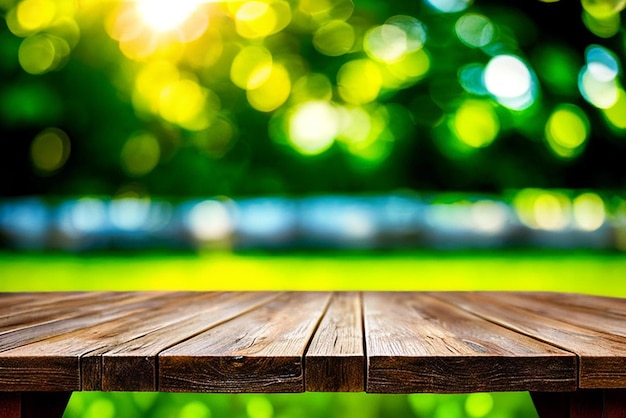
(116, 116)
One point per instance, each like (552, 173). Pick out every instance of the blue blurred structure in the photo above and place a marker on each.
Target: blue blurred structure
(403, 220)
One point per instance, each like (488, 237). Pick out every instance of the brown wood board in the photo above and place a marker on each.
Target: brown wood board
(335, 360)
(416, 343)
(259, 351)
(601, 355)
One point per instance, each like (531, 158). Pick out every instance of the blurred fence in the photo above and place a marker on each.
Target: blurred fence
(527, 218)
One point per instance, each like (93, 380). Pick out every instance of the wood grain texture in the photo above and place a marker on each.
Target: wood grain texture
(601, 355)
(606, 315)
(130, 365)
(335, 360)
(416, 343)
(260, 351)
(24, 329)
(46, 357)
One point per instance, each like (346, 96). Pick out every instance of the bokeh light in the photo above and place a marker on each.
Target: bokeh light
(238, 96)
(543, 209)
(598, 82)
(164, 15)
(396, 38)
(510, 81)
(475, 30)
(195, 409)
(567, 130)
(258, 19)
(50, 150)
(589, 211)
(449, 6)
(140, 154)
(335, 38)
(359, 81)
(476, 123)
(313, 127)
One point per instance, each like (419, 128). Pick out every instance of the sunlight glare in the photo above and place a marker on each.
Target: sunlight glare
(166, 15)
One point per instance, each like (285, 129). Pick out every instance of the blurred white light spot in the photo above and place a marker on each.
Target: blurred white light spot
(489, 217)
(210, 220)
(601, 94)
(265, 218)
(449, 6)
(506, 76)
(602, 63)
(386, 43)
(589, 211)
(393, 40)
(88, 215)
(358, 224)
(166, 15)
(475, 30)
(313, 127)
(551, 212)
(129, 214)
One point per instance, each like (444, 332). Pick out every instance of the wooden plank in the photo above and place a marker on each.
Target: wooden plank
(47, 357)
(25, 307)
(416, 343)
(97, 310)
(607, 315)
(602, 356)
(260, 351)
(583, 302)
(129, 360)
(335, 360)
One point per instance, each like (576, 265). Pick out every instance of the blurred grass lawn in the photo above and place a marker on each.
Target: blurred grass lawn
(571, 271)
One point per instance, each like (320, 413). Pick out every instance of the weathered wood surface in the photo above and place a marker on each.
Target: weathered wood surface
(385, 342)
(259, 351)
(132, 362)
(417, 343)
(47, 356)
(574, 327)
(335, 360)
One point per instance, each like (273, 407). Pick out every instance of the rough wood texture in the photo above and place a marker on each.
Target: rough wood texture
(131, 363)
(47, 358)
(260, 351)
(335, 360)
(416, 343)
(602, 355)
(294, 341)
(22, 327)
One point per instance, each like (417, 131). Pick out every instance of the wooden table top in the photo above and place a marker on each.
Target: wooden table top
(379, 342)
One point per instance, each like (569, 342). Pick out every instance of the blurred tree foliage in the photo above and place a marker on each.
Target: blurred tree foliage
(114, 98)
